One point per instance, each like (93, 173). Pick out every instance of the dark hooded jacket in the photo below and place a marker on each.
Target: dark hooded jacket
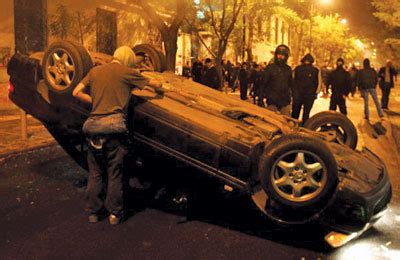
(305, 78)
(277, 83)
(367, 78)
(340, 81)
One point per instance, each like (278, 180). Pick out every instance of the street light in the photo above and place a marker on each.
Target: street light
(344, 21)
(325, 2)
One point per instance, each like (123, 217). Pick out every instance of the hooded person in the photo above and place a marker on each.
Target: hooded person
(306, 87)
(110, 87)
(340, 82)
(277, 82)
(367, 79)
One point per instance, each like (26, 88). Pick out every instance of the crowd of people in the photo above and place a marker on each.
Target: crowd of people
(290, 90)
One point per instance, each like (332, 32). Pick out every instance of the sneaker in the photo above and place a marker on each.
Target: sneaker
(114, 219)
(93, 218)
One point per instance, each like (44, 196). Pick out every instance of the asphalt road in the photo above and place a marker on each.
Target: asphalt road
(42, 217)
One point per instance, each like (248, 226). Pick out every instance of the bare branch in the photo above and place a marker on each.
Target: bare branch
(200, 38)
(213, 22)
(234, 17)
(221, 27)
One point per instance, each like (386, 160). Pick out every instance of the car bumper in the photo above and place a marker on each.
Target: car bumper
(354, 212)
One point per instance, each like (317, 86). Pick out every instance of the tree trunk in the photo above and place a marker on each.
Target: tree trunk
(218, 61)
(170, 39)
(80, 28)
(249, 48)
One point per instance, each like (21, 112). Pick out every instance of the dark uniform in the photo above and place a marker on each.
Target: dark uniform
(210, 77)
(305, 87)
(340, 82)
(244, 82)
(197, 70)
(278, 82)
(229, 73)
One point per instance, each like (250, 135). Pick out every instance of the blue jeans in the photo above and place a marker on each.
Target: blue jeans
(372, 92)
(106, 168)
(105, 125)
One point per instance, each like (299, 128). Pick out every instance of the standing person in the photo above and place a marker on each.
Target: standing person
(367, 80)
(235, 76)
(278, 82)
(261, 91)
(257, 86)
(387, 77)
(229, 73)
(339, 80)
(197, 70)
(110, 89)
(252, 80)
(305, 87)
(244, 81)
(210, 75)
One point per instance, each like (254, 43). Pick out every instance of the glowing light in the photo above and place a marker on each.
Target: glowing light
(359, 44)
(200, 14)
(326, 2)
(344, 21)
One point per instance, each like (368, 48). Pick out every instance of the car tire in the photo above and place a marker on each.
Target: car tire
(64, 65)
(298, 172)
(157, 58)
(333, 121)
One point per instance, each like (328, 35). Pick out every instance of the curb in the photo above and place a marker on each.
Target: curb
(6, 156)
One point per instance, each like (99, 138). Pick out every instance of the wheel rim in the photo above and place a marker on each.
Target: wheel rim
(341, 135)
(60, 69)
(299, 176)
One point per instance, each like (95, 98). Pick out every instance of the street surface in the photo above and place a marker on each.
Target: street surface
(42, 217)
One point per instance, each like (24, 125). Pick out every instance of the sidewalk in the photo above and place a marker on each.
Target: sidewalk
(10, 126)
(11, 141)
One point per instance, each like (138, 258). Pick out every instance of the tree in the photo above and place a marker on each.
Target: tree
(298, 25)
(222, 17)
(388, 11)
(85, 24)
(61, 22)
(168, 23)
(254, 13)
(67, 24)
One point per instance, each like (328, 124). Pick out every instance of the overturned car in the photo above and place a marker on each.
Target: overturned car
(294, 175)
